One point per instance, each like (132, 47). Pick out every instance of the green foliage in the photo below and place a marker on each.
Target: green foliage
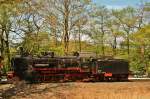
(58, 50)
(46, 25)
(141, 41)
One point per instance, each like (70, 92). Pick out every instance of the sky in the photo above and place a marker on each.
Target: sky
(117, 4)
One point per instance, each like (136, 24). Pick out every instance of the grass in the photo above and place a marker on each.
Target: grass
(101, 90)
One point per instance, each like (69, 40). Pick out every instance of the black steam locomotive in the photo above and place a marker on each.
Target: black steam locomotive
(69, 68)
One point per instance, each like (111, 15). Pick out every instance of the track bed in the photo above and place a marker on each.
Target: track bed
(78, 90)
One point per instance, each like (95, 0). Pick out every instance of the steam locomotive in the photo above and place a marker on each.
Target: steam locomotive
(69, 68)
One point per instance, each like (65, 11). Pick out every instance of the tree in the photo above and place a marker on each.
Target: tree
(100, 17)
(115, 32)
(66, 13)
(7, 10)
(142, 42)
(29, 24)
(127, 19)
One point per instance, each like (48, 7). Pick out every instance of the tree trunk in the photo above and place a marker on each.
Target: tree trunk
(7, 48)
(2, 42)
(55, 37)
(7, 45)
(103, 47)
(66, 19)
(114, 46)
(79, 38)
(102, 39)
(128, 43)
(143, 59)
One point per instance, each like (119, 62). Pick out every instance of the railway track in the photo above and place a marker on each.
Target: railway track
(4, 81)
(139, 79)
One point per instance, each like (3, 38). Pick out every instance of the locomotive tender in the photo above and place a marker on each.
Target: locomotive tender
(69, 68)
